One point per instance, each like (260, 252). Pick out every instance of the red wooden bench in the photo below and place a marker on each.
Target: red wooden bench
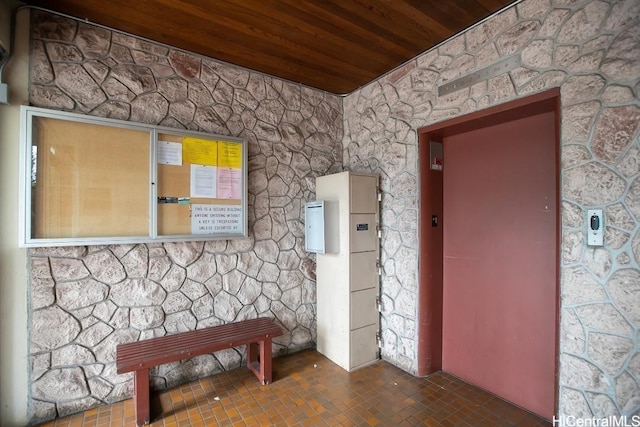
(139, 356)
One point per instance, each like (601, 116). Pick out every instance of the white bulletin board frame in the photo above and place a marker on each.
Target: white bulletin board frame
(99, 181)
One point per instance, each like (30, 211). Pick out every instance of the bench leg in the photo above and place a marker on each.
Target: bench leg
(141, 396)
(259, 360)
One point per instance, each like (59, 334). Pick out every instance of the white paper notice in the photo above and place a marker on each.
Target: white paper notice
(216, 219)
(169, 153)
(229, 183)
(203, 181)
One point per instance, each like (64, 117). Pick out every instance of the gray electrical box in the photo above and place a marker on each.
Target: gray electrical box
(4, 93)
(4, 89)
(314, 231)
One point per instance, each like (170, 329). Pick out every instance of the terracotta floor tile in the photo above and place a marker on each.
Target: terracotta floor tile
(310, 390)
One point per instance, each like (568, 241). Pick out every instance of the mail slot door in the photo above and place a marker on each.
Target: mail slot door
(363, 232)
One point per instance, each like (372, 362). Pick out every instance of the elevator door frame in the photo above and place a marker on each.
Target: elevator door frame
(430, 257)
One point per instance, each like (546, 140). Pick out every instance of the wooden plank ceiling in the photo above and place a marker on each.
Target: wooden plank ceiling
(334, 45)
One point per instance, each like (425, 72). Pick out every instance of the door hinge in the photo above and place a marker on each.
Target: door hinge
(379, 304)
(379, 339)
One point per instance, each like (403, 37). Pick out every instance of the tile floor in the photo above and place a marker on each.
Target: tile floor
(310, 390)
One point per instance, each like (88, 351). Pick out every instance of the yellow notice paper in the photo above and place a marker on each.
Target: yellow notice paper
(229, 155)
(200, 151)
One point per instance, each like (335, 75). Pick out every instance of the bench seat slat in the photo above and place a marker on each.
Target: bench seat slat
(190, 342)
(155, 351)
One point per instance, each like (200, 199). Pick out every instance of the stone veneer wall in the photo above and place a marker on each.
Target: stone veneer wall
(591, 50)
(86, 300)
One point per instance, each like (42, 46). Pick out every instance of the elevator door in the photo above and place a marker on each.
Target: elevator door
(500, 259)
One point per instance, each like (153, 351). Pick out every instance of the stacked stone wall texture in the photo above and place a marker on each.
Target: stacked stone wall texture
(591, 51)
(86, 300)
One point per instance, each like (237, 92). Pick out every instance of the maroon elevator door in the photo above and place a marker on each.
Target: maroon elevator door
(499, 260)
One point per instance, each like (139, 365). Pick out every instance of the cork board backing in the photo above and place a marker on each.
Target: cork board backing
(91, 180)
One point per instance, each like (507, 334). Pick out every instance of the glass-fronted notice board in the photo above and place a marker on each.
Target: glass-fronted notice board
(89, 180)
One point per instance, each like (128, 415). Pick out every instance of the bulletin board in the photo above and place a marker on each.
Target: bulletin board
(88, 180)
(202, 193)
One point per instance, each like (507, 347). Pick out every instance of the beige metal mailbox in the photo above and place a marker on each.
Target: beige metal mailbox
(348, 282)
